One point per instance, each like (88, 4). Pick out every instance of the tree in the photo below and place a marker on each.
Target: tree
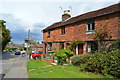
(5, 34)
(33, 42)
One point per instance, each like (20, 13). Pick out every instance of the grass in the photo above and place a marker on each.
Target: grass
(56, 71)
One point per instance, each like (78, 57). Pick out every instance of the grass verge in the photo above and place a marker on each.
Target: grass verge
(56, 71)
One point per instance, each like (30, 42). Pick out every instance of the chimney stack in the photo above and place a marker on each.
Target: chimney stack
(66, 15)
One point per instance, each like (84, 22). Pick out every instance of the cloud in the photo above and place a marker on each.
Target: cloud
(35, 32)
(19, 29)
(91, 6)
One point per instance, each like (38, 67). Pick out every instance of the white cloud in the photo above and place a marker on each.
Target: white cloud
(19, 29)
(26, 15)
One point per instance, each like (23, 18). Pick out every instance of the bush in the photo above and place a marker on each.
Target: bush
(68, 53)
(61, 57)
(104, 63)
(115, 45)
(80, 59)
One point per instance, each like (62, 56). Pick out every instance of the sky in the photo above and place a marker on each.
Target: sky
(22, 15)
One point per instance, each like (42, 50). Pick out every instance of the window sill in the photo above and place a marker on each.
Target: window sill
(48, 37)
(62, 34)
(90, 32)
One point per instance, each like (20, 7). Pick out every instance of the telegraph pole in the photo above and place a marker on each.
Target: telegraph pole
(27, 39)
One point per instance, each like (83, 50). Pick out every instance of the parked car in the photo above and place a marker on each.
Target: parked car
(37, 54)
(17, 52)
(23, 53)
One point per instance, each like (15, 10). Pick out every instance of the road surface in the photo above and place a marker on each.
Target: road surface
(8, 64)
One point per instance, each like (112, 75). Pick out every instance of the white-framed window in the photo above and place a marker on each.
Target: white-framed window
(90, 27)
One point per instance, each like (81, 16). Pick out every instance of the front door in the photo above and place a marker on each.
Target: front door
(80, 49)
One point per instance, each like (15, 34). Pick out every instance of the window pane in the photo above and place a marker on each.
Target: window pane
(93, 26)
(48, 33)
(88, 27)
(62, 30)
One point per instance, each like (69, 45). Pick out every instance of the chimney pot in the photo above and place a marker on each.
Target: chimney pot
(66, 15)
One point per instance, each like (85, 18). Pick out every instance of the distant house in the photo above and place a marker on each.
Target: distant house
(36, 47)
(60, 34)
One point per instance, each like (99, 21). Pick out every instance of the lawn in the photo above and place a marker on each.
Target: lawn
(39, 69)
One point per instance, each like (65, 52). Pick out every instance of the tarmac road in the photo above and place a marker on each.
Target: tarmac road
(11, 66)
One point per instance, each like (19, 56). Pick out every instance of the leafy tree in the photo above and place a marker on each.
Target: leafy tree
(33, 42)
(5, 34)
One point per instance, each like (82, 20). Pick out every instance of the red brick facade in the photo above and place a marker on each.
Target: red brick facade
(77, 31)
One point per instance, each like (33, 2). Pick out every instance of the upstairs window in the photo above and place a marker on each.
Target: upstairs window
(90, 27)
(62, 30)
(48, 34)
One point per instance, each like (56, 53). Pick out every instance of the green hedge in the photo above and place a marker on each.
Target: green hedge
(80, 59)
(102, 62)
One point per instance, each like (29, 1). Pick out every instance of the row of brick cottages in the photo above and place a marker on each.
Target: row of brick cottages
(59, 35)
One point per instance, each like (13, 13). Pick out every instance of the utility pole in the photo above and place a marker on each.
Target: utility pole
(27, 39)
(29, 51)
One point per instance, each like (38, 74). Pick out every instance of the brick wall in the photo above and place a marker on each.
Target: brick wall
(51, 60)
(77, 31)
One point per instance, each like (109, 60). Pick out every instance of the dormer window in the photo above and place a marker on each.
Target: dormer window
(90, 27)
(62, 30)
(48, 34)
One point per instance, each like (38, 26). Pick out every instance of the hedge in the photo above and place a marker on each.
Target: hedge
(102, 62)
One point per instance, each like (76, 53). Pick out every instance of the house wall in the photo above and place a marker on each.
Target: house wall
(77, 31)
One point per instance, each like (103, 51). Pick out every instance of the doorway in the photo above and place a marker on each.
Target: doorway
(80, 49)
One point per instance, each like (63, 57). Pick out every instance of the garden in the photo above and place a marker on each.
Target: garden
(102, 64)
(41, 69)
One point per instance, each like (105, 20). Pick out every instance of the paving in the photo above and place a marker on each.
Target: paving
(19, 69)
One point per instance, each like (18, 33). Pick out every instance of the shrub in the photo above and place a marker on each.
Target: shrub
(61, 57)
(68, 53)
(104, 63)
(80, 59)
(115, 45)
(64, 54)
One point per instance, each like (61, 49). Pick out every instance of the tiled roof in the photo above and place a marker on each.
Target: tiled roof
(93, 14)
